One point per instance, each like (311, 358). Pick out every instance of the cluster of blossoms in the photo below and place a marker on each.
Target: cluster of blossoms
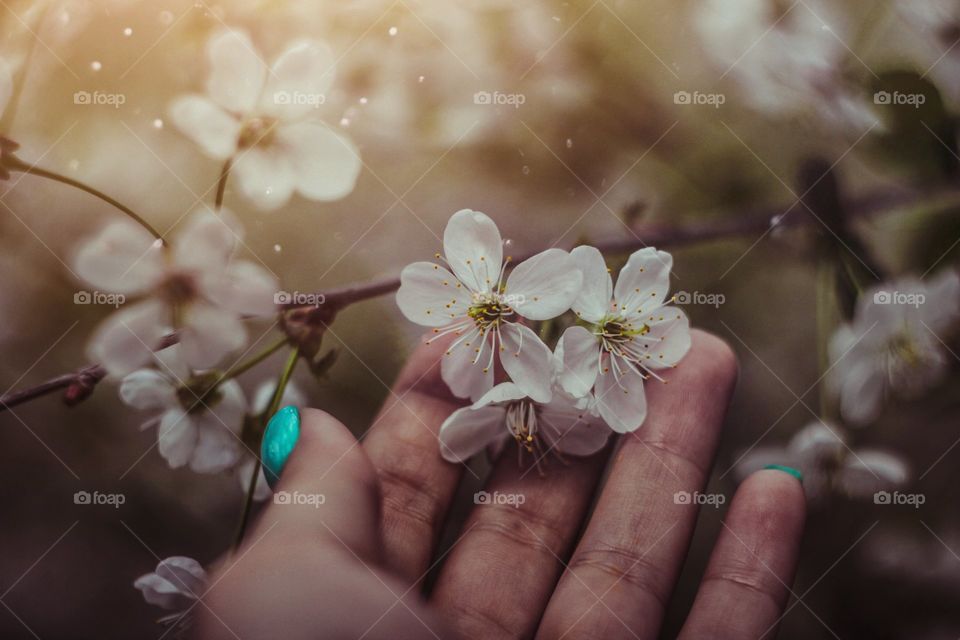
(559, 401)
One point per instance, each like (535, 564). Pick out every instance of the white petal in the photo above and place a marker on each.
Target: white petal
(527, 361)
(126, 339)
(209, 334)
(325, 164)
(503, 392)
(299, 80)
(622, 405)
(185, 573)
(467, 431)
(207, 240)
(474, 249)
(466, 379)
(177, 437)
(122, 258)
(644, 281)
(544, 286)
(230, 407)
(862, 394)
(571, 427)
(244, 288)
(170, 362)
(237, 73)
(218, 448)
(580, 361)
(430, 295)
(596, 294)
(869, 471)
(147, 389)
(942, 306)
(207, 124)
(668, 340)
(160, 592)
(265, 176)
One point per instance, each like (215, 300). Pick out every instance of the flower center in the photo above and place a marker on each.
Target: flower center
(257, 132)
(488, 311)
(619, 331)
(522, 423)
(178, 289)
(200, 393)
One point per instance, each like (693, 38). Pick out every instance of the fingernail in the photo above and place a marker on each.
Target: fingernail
(279, 439)
(779, 467)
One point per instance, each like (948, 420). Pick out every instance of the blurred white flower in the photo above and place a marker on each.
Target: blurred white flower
(940, 22)
(632, 334)
(262, 118)
(786, 59)
(564, 425)
(199, 421)
(175, 584)
(895, 344)
(819, 451)
(475, 304)
(193, 286)
(292, 395)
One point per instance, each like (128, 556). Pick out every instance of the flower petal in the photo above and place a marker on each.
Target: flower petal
(467, 431)
(544, 286)
(186, 574)
(237, 74)
(571, 427)
(218, 448)
(209, 334)
(161, 593)
(623, 403)
(862, 394)
(580, 352)
(126, 339)
(325, 164)
(474, 249)
(868, 471)
(244, 288)
(503, 392)
(596, 293)
(645, 280)
(942, 307)
(668, 340)
(430, 295)
(122, 258)
(465, 378)
(527, 361)
(177, 437)
(206, 241)
(207, 124)
(265, 176)
(299, 80)
(147, 389)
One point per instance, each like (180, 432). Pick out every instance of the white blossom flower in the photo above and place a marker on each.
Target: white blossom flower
(829, 466)
(193, 286)
(939, 20)
(261, 119)
(564, 425)
(482, 310)
(631, 334)
(175, 584)
(894, 345)
(786, 58)
(199, 418)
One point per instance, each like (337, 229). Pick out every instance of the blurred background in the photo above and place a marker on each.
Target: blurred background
(565, 122)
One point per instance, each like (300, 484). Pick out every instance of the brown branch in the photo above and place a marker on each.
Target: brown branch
(80, 383)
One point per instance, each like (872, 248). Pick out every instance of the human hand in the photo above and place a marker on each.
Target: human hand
(352, 567)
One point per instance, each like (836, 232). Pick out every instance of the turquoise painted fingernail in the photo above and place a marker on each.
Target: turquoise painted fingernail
(279, 439)
(779, 467)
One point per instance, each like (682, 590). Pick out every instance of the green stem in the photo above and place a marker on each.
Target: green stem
(222, 185)
(15, 164)
(282, 382)
(243, 367)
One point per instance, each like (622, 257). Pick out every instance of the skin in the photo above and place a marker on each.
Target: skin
(353, 566)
